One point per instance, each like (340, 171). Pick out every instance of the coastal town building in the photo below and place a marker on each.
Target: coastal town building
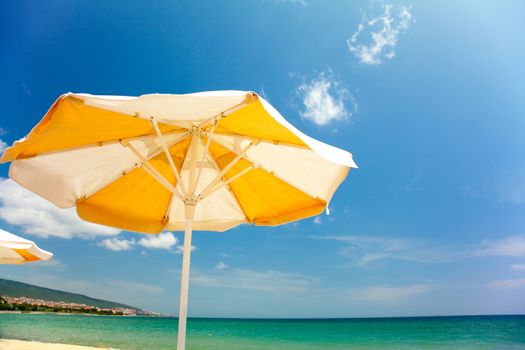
(75, 307)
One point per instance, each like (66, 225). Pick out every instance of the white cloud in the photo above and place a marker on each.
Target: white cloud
(117, 244)
(3, 145)
(324, 99)
(508, 284)
(39, 217)
(384, 31)
(367, 250)
(165, 240)
(318, 220)
(510, 246)
(267, 281)
(517, 267)
(388, 293)
(221, 266)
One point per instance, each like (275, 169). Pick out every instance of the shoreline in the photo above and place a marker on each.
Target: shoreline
(268, 318)
(14, 344)
(62, 313)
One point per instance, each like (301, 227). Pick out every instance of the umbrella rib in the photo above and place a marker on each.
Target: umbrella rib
(161, 180)
(244, 156)
(218, 178)
(93, 103)
(125, 142)
(204, 154)
(166, 217)
(264, 140)
(216, 166)
(96, 144)
(227, 182)
(150, 169)
(167, 153)
(250, 97)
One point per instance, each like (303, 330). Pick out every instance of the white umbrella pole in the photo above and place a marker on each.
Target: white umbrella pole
(183, 308)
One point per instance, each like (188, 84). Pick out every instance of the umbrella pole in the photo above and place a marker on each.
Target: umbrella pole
(183, 308)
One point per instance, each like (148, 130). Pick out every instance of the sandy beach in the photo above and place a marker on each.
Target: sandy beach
(12, 344)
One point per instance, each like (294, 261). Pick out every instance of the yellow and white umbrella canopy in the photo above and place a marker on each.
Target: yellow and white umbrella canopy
(204, 161)
(18, 250)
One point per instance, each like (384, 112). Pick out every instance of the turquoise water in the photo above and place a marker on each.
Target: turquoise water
(466, 332)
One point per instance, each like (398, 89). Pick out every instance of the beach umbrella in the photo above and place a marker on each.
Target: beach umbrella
(205, 161)
(18, 250)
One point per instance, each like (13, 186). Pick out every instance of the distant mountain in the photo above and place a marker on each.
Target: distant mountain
(19, 289)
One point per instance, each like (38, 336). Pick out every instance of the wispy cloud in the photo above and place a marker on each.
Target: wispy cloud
(3, 146)
(508, 284)
(324, 99)
(511, 195)
(53, 263)
(36, 216)
(295, 2)
(266, 281)
(136, 286)
(221, 266)
(390, 293)
(124, 291)
(517, 267)
(367, 250)
(510, 246)
(376, 38)
(318, 220)
(26, 90)
(180, 249)
(263, 94)
(504, 185)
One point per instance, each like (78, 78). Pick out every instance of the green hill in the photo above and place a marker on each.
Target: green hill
(19, 289)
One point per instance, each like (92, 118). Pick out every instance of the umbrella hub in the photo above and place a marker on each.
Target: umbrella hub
(196, 131)
(191, 201)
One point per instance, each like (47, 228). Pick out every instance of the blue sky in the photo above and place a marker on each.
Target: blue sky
(429, 97)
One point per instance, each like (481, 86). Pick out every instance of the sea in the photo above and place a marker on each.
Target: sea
(458, 332)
